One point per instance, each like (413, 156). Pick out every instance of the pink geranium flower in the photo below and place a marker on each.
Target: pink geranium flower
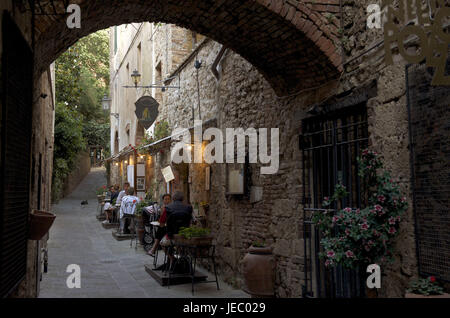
(349, 254)
(378, 207)
(348, 210)
(331, 254)
(381, 198)
(392, 230)
(364, 226)
(392, 220)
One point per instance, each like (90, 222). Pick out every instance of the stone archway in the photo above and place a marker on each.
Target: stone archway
(292, 43)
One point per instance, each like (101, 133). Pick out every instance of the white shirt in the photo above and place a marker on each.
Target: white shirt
(128, 205)
(119, 197)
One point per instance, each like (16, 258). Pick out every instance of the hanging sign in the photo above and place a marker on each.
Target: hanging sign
(168, 174)
(146, 111)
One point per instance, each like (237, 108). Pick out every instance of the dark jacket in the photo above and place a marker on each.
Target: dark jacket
(178, 215)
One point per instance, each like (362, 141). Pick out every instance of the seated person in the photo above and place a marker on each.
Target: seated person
(115, 193)
(178, 215)
(162, 224)
(127, 207)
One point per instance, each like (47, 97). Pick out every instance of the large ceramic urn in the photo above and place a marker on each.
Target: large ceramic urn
(259, 272)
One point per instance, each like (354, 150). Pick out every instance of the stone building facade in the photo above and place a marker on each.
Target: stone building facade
(236, 95)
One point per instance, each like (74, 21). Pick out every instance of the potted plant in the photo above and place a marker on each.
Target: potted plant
(40, 223)
(354, 238)
(425, 288)
(138, 216)
(193, 236)
(259, 271)
(101, 193)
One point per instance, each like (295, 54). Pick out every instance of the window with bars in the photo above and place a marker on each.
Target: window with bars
(330, 146)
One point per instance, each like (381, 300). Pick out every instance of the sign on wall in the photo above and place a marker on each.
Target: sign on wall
(146, 111)
(168, 174)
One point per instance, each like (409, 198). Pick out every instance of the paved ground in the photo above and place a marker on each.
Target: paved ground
(108, 268)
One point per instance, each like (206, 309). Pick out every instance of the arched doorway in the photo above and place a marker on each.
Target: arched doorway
(292, 45)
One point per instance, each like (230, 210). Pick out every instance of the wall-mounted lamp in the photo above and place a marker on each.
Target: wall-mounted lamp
(136, 76)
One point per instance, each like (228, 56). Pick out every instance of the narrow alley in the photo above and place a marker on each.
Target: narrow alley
(109, 268)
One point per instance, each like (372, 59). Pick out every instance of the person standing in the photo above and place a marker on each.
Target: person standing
(122, 193)
(127, 207)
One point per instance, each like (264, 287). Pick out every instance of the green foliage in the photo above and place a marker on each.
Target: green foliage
(81, 79)
(97, 133)
(425, 286)
(161, 131)
(358, 237)
(259, 244)
(194, 231)
(69, 139)
(142, 204)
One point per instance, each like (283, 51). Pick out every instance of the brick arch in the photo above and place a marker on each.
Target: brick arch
(290, 42)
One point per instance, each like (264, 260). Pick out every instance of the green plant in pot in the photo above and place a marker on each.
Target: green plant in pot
(194, 235)
(425, 288)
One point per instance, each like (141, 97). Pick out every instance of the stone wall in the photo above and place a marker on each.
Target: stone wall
(81, 170)
(42, 152)
(243, 98)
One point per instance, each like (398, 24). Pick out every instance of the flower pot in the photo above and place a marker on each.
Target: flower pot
(100, 198)
(40, 223)
(259, 272)
(411, 295)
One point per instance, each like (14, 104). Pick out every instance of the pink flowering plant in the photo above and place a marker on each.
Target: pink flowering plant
(352, 237)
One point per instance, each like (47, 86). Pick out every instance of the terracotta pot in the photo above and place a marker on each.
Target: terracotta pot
(100, 198)
(411, 295)
(40, 223)
(259, 272)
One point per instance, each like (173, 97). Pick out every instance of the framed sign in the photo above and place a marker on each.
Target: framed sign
(235, 178)
(140, 184)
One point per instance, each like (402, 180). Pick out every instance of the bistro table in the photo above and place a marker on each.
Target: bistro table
(191, 252)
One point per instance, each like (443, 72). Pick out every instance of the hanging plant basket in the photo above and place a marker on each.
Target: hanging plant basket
(40, 223)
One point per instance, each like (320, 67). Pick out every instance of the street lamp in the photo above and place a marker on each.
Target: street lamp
(106, 102)
(136, 76)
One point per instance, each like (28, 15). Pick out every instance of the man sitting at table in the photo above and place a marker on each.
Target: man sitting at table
(127, 207)
(178, 215)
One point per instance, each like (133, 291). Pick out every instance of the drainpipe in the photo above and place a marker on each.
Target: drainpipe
(214, 66)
